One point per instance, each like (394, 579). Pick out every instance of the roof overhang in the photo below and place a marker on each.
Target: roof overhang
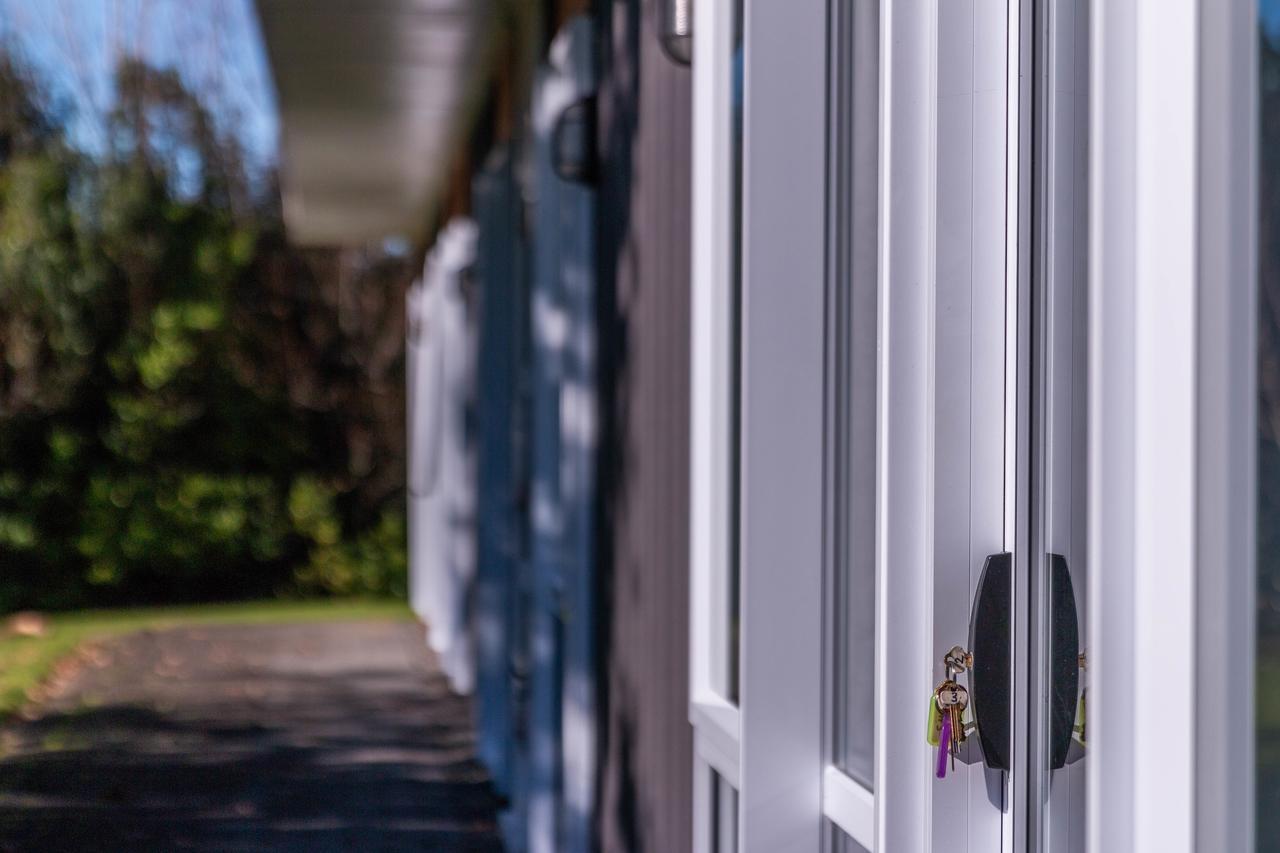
(371, 95)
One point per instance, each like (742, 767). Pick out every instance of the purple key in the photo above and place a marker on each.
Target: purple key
(944, 745)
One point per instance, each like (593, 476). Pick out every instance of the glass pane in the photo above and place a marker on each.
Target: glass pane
(844, 844)
(735, 290)
(1268, 672)
(724, 816)
(855, 96)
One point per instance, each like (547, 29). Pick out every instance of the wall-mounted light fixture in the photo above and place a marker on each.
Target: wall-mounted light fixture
(677, 30)
(573, 142)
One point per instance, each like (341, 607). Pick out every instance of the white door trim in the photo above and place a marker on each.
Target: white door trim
(713, 715)
(1171, 424)
(1141, 368)
(783, 419)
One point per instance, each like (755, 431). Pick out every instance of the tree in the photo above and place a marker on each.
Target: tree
(192, 408)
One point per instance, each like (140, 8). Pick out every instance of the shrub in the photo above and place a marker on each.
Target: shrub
(190, 408)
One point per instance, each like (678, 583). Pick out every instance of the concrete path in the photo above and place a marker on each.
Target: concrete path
(312, 737)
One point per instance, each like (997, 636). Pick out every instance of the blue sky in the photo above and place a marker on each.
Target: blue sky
(1269, 11)
(215, 44)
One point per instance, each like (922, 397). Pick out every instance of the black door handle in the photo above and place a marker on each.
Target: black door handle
(1064, 660)
(991, 670)
(990, 643)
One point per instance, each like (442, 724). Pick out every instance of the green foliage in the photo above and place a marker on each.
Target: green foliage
(373, 563)
(190, 409)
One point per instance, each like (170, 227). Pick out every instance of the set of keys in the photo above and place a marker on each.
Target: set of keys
(947, 727)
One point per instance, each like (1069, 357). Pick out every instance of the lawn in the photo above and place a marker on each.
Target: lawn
(25, 662)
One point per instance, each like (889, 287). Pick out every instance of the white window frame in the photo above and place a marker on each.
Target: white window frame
(773, 748)
(715, 718)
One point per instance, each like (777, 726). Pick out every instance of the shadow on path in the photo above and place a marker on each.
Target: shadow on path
(335, 736)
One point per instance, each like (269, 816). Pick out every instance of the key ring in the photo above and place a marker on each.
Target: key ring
(956, 661)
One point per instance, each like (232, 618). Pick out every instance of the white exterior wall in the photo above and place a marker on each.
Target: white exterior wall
(441, 466)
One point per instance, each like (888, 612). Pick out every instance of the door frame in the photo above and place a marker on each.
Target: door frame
(1171, 355)
(1172, 422)
(790, 790)
(769, 746)
(715, 717)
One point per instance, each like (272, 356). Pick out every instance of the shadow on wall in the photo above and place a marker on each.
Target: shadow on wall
(643, 258)
(619, 116)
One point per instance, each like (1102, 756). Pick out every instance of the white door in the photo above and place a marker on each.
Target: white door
(976, 447)
(1009, 419)
(895, 372)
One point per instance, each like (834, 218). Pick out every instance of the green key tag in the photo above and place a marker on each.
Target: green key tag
(934, 734)
(1079, 732)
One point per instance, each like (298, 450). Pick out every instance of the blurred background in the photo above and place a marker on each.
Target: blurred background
(202, 499)
(191, 409)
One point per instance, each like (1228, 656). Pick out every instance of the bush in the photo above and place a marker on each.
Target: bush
(190, 409)
(373, 563)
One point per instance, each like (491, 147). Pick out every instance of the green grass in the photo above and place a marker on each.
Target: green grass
(25, 662)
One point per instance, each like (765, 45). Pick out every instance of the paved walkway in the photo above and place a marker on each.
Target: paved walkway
(316, 737)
